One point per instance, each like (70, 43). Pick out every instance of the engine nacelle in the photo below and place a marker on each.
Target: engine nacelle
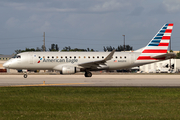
(69, 70)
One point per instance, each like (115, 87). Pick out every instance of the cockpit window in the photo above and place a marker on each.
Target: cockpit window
(18, 56)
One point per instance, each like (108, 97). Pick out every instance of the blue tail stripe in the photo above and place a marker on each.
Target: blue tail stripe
(162, 31)
(160, 34)
(157, 41)
(153, 44)
(158, 38)
(164, 28)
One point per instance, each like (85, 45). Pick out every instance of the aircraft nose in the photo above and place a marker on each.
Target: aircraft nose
(6, 64)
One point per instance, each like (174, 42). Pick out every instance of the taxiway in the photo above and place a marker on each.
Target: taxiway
(155, 80)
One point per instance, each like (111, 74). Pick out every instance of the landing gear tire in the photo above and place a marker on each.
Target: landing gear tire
(88, 74)
(25, 75)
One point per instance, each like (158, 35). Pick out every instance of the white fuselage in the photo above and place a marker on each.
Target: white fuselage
(49, 60)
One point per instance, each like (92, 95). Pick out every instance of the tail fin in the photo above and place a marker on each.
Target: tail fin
(159, 43)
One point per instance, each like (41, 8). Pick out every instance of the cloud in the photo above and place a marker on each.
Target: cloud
(17, 6)
(110, 5)
(12, 22)
(71, 6)
(137, 11)
(36, 7)
(172, 6)
(98, 22)
(44, 27)
(54, 10)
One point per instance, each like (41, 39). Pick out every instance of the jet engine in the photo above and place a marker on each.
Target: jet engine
(69, 70)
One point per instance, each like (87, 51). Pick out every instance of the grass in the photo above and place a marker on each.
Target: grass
(92, 103)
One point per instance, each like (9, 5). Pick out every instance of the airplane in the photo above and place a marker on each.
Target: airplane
(73, 62)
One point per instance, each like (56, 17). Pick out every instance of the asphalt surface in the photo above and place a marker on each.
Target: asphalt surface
(155, 80)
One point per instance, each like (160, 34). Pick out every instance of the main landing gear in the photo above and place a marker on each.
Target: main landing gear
(88, 74)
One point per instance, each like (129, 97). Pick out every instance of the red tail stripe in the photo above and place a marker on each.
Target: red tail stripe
(154, 51)
(171, 24)
(145, 58)
(166, 37)
(168, 31)
(149, 58)
(163, 44)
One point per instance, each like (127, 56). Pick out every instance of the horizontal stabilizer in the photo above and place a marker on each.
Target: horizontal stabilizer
(166, 56)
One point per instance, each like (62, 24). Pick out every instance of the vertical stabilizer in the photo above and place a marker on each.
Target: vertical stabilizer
(159, 43)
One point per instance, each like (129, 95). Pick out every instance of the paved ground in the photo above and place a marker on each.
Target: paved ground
(155, 80)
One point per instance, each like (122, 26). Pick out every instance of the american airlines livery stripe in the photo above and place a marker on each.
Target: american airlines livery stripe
(159, 43)
(163, 44)
(154, 51)
(149, 58)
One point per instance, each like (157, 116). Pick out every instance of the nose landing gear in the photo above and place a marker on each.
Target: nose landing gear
(25, 73)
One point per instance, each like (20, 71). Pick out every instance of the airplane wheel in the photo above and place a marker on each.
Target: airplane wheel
(88, 74)
(25, 75)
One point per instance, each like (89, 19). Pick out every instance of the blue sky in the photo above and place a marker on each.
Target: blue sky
(85, 23)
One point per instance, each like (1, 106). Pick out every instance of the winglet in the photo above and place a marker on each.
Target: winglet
(109, 57)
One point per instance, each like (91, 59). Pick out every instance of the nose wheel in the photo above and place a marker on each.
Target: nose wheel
(25, 75)
(88, 74)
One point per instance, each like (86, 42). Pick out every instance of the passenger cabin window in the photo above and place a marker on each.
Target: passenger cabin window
(56, 56)
(48, 57)
(61, 56)
(39, 56)
(70, 57)
(52, 56)
(74, 56)
(102, 56)
(125, 57)
(65, 56)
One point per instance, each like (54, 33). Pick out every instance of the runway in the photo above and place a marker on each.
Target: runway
(155, 80)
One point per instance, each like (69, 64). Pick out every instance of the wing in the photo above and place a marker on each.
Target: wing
(166, 56)
(99, 63)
